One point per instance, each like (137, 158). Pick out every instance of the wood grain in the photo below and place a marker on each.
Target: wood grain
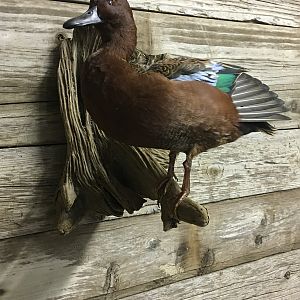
(272, 12)
(125, 257)
(29, 53)
(275, 277)
(39, 123)
(131, 255)
(265, 52)
(31, 166)
(268, 163)
(31, 209)
(264, 161)
(29, 124)
(26, 210)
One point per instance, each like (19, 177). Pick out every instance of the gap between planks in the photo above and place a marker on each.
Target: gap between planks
(275, 277)
(271, 13)
(240, 231)
(275, 48)
(39, 123)
(269, 163)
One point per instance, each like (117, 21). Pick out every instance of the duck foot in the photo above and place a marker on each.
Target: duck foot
(177, 207)
(181, 197)
(185, 190)
(187, 211)
(192, 212)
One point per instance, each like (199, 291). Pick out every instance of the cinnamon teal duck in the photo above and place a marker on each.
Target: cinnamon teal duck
(200, 106)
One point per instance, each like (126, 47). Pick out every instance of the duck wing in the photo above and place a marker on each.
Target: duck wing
(254, 100)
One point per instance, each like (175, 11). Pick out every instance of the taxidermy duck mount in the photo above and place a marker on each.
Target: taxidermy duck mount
(101, 176)
(205, 105)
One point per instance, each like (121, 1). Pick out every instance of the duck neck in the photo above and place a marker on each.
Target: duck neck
(119, 41)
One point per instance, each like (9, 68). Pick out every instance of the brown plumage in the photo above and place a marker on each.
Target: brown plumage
(147, 109)
(151, 111)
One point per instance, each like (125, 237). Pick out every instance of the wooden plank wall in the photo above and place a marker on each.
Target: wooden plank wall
(251, 187)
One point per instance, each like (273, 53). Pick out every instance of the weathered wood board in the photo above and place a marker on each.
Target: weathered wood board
(39, 123)
(26, 210)
(255, 157)
(28, 124)
(272, 12)
(270, 163)
(31, 166)
(131, 255)
(29, 58)
(276, 277)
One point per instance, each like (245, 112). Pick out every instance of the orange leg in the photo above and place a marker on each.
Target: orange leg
(186, 184)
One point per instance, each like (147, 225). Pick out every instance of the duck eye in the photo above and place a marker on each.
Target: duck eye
(110, 2)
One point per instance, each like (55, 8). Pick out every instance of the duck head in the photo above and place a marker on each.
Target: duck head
(115, 23)
(109, 12)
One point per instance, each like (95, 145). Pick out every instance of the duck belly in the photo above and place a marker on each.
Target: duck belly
(169, 134)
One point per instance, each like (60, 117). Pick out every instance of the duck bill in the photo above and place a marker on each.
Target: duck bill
(90, 17)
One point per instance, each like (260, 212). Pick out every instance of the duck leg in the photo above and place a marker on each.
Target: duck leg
(163, 186)
(186, 183)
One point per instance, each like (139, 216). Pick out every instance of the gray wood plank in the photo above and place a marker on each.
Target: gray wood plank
(29, 124)
(26, 210)
(132, 255)
(252, 165)
(39, 123)
(29, 55)
(31, 166)
(226, 170)
(271, 12)
(31, 209)
(275, 277)
(46, 265)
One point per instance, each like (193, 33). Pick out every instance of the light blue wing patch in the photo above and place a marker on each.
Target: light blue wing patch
(208, 75)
